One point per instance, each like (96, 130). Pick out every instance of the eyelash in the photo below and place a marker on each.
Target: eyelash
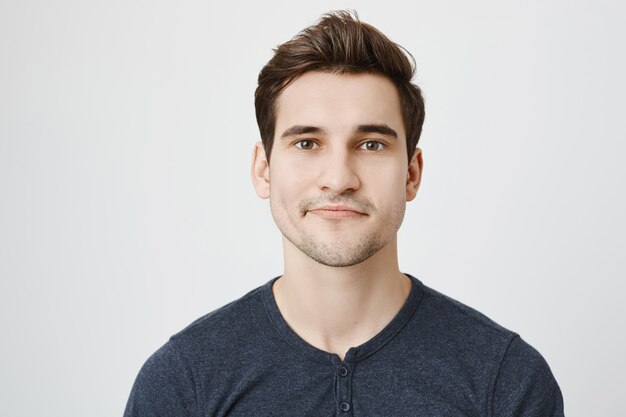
(382, 145)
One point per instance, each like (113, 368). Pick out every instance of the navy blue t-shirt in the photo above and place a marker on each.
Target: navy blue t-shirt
(436, 358)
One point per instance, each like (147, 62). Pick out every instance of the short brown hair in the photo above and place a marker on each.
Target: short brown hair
(339, 43)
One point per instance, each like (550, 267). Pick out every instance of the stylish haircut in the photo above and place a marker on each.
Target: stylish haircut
(340, 44)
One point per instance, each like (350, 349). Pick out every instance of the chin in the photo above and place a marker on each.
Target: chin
(337, 254)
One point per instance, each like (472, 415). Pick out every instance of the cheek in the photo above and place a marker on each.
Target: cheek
(388, 185)
(287, 183)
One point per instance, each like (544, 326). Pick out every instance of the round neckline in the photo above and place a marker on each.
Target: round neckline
(354, 354)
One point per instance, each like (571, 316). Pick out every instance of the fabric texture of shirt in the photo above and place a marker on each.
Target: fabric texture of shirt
(436, 358)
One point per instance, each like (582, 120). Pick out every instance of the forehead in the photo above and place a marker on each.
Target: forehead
(339, 101)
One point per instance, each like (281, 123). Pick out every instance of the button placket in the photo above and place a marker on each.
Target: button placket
(343, 377)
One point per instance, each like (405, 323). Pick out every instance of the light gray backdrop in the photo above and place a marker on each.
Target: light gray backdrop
(126, 129)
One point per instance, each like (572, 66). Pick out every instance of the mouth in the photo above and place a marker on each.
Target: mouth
(336, 212)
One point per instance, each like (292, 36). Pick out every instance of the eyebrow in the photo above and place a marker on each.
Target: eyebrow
(382, 129)
(301, 130)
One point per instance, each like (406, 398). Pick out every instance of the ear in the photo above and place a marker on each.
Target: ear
(414, 175)
(260, 171)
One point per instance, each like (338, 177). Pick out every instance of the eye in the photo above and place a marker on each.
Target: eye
(373, 145)
(305, 144)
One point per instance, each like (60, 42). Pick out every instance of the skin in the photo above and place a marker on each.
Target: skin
(338, 184)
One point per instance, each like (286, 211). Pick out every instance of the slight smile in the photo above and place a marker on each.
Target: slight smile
(336, 212)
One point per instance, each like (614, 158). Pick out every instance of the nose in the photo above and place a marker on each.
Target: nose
(338, 174)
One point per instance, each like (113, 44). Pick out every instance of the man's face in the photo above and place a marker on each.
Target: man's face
(339, 178)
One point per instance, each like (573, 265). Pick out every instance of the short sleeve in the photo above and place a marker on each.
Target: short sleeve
(524, 385)
(164, 386)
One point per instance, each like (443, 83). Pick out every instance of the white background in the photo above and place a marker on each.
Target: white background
(126, 129)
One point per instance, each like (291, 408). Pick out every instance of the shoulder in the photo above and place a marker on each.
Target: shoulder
(524, 384)
(240, 323)
(170, 381)
(243, 311)
(164, 386)
(516, 378)
(460, 321)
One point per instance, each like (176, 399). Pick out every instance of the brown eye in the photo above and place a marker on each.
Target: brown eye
(305, 144)
(373, 145)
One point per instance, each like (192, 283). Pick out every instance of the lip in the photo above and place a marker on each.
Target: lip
(336, 212)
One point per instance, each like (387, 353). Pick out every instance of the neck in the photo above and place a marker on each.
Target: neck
(335, 308)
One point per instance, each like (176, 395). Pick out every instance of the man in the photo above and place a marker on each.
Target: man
(342, 331)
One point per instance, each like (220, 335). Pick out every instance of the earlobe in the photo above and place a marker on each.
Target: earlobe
(414, 174)
(260, 171)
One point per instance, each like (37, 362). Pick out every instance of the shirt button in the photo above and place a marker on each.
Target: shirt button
(344, 406)
(343, 371)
